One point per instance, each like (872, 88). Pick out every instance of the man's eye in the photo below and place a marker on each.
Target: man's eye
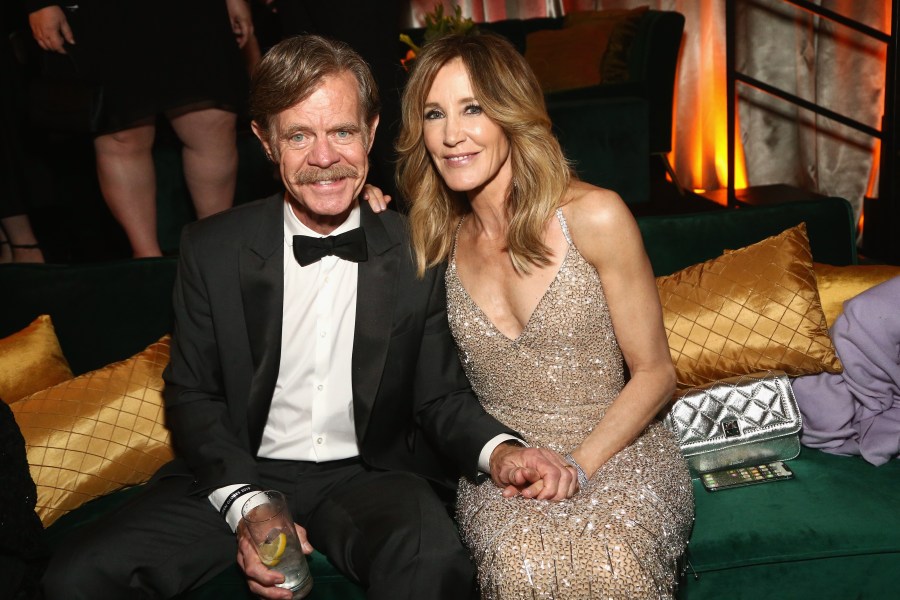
(297, 138)
(473, 109)
(343, 135)
(433, 114)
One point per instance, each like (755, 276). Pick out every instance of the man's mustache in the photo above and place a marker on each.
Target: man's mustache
(333, 173)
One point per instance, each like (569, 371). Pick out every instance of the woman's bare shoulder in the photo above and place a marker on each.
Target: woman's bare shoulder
(590, 207)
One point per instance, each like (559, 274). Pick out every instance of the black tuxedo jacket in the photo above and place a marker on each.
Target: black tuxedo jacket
(413, 407)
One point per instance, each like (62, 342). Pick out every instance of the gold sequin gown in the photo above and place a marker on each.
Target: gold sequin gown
(621, 537)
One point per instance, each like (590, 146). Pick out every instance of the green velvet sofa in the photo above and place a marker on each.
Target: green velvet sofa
(832, 532)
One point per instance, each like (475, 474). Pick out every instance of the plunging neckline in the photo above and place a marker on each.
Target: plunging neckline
(534, 311)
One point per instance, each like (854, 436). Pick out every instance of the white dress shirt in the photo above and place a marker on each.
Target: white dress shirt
(311, 416)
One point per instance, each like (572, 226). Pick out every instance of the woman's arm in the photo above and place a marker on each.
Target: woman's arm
(607, 235)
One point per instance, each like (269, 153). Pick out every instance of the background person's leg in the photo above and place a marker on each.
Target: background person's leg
(128, 182)
(210, 158)
(19, 240)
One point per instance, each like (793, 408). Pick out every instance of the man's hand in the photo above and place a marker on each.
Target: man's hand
(533, 472)
(241, 20)
(262, 580)
(50, 29)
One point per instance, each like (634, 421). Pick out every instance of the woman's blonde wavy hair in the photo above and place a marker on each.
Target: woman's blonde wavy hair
(509, 95)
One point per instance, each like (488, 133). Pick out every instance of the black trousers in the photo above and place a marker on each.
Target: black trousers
(389, 531)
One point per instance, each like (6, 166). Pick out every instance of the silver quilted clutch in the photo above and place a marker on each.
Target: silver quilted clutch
(751, 419)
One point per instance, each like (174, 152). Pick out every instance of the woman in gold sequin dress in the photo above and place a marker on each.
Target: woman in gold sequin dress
(549, 289)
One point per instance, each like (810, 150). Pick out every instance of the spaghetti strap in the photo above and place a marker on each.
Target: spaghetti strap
(564, 225)
(452, 262)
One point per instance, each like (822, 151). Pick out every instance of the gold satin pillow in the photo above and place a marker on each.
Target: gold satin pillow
(839, 284)
(94, 434)
(750, 310)
(31, 360)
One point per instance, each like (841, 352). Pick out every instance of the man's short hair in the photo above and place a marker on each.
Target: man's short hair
(294, 68)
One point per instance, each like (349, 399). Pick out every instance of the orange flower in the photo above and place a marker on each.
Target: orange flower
(410, 56)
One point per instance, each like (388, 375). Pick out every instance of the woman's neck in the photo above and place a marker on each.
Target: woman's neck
(489, 218)
(489, 209)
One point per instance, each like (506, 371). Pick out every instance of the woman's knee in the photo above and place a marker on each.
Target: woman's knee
(128, 141)
(212, 127)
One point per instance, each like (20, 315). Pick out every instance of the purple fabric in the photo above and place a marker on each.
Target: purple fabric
(858, 411)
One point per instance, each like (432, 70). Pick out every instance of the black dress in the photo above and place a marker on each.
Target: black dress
(22, 551)
(154, 57)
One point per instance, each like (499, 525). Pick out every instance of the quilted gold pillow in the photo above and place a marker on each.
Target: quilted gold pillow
(750, 310)
(839, 284)
(94, 434)
(31, 360)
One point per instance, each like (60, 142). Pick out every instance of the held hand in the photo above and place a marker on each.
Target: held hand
(262, 580)
(241, 20)
(533, 472)
(50, 29)
(377, 199)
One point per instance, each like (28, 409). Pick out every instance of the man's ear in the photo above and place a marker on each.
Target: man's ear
(263, 138)
(372, 127)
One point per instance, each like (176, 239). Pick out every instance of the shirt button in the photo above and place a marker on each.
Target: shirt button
(319, 441)
(322, 334)
(320, 387)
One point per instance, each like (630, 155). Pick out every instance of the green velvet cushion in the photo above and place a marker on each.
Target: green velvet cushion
(864, 577)
(836, 508)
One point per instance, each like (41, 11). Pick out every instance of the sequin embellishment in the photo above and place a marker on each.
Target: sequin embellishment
(622, 536)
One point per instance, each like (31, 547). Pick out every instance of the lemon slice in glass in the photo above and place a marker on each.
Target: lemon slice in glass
(272, 549)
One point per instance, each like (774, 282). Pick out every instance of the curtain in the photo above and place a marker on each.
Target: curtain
(485, 11)
(776, 43)
(823, 62)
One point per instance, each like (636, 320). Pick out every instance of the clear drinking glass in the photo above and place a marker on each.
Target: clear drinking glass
(269, 523)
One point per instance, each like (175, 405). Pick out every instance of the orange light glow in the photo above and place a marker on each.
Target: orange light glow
(701, 131)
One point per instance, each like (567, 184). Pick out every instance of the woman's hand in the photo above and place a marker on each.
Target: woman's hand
(241, 20)
(377, 199)
(262, 580)
(50, 29)
(537, 473)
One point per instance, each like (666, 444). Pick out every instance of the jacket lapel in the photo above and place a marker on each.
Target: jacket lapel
(262, 292)
(375, 298)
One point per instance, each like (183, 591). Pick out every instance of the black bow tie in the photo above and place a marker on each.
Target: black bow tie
(349, 246)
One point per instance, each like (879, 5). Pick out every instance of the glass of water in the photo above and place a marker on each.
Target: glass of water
(269, 523)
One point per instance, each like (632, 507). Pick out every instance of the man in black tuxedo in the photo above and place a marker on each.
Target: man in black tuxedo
(319, 366)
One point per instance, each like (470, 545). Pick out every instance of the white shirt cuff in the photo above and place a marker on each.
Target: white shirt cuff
(484, 459)
(217, 498)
